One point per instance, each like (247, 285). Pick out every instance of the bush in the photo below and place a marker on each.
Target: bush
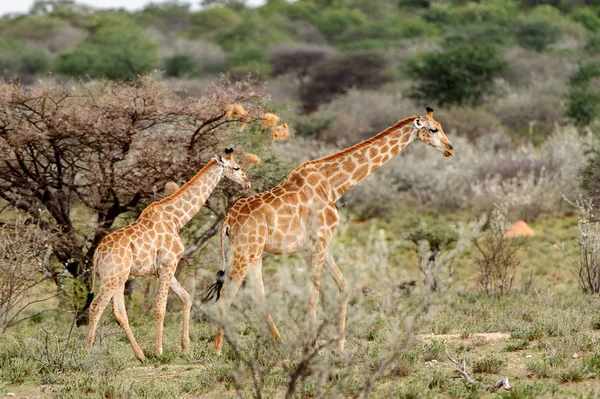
(497, 260)
(587, 18)
(536, 33)
(583, 100)
(120, 52)
(181, 65)
(340, 73)
(466, 75)
(207, 57)
(588, 268)
(361, 114)
(334, 23)
(18, 62)
(212, 20)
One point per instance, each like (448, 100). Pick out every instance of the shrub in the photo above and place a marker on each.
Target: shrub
(587, 18)
(212, 20)
(120, 52)
(536, 33)
(207, 57)
(489, 365)
(18, 62)
(588, 228)
(497, 260)
(338, 74)
(360, 114)
(466, 75)
(583, 100)
(181, 65)
(333, 23)
(24, 260)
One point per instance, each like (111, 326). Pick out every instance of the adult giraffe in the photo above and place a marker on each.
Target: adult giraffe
(151, 246)
(300, 213)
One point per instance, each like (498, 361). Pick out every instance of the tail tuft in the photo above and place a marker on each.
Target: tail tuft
(215, 289)
(88, 302)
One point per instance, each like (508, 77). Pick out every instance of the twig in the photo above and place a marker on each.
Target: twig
(461, 368)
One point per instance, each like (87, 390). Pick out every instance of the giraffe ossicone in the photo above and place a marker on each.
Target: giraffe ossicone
(151, 246)
(300, 213)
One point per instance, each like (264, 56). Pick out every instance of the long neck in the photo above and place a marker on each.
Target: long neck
(347, 168)
(188, 200)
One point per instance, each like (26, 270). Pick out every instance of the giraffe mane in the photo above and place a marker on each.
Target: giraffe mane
(400, 124)
(187, 185)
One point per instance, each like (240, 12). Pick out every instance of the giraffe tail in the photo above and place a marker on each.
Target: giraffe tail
(90, 295)
(214, 291)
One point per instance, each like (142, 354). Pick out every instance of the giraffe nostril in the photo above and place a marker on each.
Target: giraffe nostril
(450, 147)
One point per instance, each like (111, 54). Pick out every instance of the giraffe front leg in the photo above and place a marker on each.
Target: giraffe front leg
(342, 284)
(186, 303)
(164, 282)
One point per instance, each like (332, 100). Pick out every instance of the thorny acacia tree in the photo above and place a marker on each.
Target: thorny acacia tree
(76, 157)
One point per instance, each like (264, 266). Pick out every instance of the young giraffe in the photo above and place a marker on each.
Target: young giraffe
(151, 246)
(300, 213)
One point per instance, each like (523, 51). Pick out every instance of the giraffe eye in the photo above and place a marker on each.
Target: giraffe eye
(236, 168)
(434, 130)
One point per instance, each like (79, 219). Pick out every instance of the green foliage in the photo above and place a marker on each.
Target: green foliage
(312, 126)
(593, 44)
(583, 102)
(587, 18)
(181, 65)
(334, 23)
(253, 31)
(480, 33)
(21, 62)
(489, 365)
(536, 33)
(493, 12)
(384, 33)
(213, 20)
(116, 49)
(439, 235)
(460, 74)
(32, 28)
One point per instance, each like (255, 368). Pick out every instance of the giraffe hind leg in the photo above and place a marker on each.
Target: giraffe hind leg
(259, 289)
(96, 309)
(231, 285)
(121, 315)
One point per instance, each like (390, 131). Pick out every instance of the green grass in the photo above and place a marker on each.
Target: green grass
(541, 328)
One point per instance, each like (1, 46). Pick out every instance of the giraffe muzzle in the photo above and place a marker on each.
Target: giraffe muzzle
(449, 151)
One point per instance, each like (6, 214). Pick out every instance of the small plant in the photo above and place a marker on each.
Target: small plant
(438, 246)
(489, 365)
(181, 65)
(498, 256)
(588, 268)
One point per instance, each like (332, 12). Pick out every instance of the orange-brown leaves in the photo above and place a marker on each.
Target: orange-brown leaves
(269, 120)
(280, 132)
(250, 160)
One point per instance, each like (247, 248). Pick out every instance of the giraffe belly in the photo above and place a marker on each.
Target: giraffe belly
(279, 243)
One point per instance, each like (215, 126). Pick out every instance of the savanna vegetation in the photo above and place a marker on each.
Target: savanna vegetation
(99, 109)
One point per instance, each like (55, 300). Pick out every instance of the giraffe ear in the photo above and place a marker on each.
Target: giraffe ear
(220, 160)
(418, 123)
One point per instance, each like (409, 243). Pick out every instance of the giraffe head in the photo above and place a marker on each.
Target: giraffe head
(232, 169)
(430, 132)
